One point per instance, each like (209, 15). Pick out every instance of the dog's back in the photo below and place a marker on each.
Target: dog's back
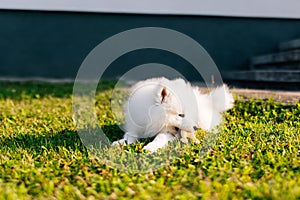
(212, 105)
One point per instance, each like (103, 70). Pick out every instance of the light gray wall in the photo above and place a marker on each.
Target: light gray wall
(237, 8)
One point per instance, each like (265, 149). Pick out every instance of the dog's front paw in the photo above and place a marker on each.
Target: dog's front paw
(115, 143)
(119, 142)
(184, 140)
(151, 147)
(196, 141)
(149, 150)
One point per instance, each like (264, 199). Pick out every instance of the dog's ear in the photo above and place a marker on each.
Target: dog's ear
(163, 94)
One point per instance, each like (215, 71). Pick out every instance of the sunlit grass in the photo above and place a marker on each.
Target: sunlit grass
(257, 155)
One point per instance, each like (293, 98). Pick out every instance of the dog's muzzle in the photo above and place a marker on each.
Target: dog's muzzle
(182, 115)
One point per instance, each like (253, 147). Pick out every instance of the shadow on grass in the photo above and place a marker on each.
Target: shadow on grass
(36, 89)
(66, 138)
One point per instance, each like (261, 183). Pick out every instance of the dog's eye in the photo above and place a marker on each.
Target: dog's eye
(181, 115)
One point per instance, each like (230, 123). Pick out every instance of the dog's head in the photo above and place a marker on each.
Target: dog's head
(170, 101)
(175, 113)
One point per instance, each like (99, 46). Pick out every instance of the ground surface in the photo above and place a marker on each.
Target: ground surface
(279, 96)
(256, 156)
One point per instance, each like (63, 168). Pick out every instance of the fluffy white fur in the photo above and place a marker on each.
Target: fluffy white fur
(160, 107)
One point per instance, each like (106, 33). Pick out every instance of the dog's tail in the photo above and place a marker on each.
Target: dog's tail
(222, 99)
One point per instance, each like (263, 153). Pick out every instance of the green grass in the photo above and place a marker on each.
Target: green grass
(257, 155)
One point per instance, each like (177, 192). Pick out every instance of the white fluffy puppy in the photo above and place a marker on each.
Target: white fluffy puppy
(160, 107)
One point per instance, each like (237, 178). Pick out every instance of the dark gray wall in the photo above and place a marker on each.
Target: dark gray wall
(53, 44)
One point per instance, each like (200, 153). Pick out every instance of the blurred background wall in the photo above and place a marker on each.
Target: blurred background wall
(53, 43)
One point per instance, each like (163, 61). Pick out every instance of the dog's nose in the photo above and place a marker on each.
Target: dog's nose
(181, 115)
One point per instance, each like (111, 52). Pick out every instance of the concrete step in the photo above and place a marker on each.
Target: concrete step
(291, 59)
(278, 66)
(290, 45)
(279, 76)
